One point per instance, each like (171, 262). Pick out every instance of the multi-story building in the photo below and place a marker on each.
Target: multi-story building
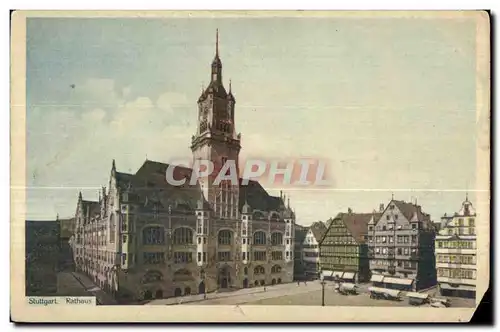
(344, 249)
(401, 247)
(42, 257)
(298, 262)
(66, 257)
(456, 253)
(148, 238)
(310, 249)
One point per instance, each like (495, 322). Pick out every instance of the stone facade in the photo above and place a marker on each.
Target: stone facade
(456, 256)
(401, 247)
(146, 238)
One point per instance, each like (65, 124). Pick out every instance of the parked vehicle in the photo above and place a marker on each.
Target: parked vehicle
(418, 298)
(385, 293)
(347, 288)
(440, 302)
(376, 293)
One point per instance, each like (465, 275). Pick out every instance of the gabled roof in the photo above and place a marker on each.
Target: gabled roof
(149, 184)
(318, 229)
(413, 213)
(258, 198)
(357, 223)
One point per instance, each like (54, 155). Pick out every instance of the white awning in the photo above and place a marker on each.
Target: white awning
(337, 274)
(444, 285)
(398, 281)
(377, 278)
(348, 275)
(418, 295)
(326, 273)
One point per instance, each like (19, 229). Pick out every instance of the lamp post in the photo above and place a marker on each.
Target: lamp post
(322, 290)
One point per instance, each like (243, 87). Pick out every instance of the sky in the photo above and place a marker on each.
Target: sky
(389, 103)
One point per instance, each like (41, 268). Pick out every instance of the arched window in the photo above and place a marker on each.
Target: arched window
(259, 237)
(276, 239)
(274, 216)
(259, 270)
(112, 229)
(257, 215)
(225, 237)
(183, 235)
(276, 269)
(153, 235)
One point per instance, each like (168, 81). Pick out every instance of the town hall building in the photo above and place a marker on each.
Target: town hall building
(146, 238)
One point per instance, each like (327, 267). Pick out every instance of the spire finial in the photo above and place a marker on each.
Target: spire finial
(466, 196)
(392, 195)
(229, 85)
(113, 166)
(217, 42)
(288, 201)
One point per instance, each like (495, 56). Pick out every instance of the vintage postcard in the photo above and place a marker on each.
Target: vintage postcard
(252, 166)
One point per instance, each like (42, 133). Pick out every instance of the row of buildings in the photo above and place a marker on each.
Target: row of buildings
(145, 238)
(399, 247)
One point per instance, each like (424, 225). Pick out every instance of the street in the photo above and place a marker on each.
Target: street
(78, 284)
(292, 294)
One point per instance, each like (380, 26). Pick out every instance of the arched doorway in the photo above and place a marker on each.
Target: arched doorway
(159, 294)
(178, 292)
(224, 277)
(147, 295)
(273, 282)
(262, 282)
(279, 280)
(187, 291)
(256, 283)
(201, 288)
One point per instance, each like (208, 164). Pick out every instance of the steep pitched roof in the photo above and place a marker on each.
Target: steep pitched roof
(357, 223)
(318, 230)
(149, 184)
(414, 212)
(258, 198)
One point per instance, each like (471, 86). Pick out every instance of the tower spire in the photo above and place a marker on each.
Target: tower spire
(229, 85)
(217, 42)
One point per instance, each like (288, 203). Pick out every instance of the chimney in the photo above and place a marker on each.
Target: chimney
(349, 210)
(381, 208)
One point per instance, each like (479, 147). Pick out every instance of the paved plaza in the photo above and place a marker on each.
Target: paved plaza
(292, 294)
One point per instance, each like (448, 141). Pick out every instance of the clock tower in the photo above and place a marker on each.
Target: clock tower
(216, 141)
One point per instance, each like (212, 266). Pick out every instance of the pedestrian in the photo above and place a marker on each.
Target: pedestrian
(264, 288)
(305, 282)
(298, 282)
